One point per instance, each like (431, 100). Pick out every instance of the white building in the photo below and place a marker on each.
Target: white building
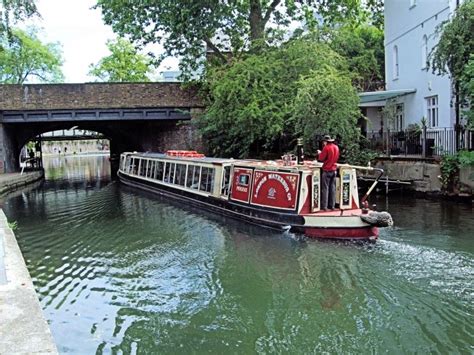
(410, 35)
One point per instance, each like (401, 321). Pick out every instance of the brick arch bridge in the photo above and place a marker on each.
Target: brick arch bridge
(133, 116)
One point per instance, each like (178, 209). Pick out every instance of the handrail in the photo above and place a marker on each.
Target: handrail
(366, 168)
(26, 161)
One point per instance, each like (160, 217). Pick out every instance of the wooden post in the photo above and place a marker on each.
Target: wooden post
(387, 141)
(423, 145)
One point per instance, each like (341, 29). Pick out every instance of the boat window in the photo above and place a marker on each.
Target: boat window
(166, 172)
(207, 178)
(244, 179)
(151, 169)
(180, 174)
(202, 185)
(128, 162)
(210, 179)
(134, 166)
(147, 168)
(142, 167)
(159, 171)
(196, 176)
(225, 181)
(169, 172)
(189, 179)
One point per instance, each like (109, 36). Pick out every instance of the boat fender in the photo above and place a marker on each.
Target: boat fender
(378, 219)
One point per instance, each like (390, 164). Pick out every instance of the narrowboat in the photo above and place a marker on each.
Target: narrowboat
(282, 194)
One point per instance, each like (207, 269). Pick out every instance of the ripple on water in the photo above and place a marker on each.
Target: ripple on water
(123, 271)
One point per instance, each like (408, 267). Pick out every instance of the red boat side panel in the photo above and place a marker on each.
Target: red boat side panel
(241, 184)
(275, 189)
(343, 233)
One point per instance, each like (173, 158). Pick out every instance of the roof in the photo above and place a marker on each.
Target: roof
(378, 98)
(202, 160)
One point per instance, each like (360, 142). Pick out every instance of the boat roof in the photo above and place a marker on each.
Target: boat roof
(262, 164)
(202, 160)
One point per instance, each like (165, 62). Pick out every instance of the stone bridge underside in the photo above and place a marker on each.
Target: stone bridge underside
(134, 116)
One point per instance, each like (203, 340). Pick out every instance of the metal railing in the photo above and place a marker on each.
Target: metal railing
(426, 142)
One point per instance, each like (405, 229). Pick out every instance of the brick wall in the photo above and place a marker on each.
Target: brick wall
(96, 96)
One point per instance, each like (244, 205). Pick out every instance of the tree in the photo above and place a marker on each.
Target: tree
(24, 57)
(326, 103)
(453, 53)
(251, 103)
(124, 64)
(187, 28)
(467, 87)
(375, 11)
(12, 11)
(363, 48)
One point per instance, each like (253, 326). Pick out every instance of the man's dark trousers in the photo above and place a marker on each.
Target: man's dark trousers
(328, 189)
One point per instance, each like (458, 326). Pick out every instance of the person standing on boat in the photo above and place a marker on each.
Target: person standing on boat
(329, 157)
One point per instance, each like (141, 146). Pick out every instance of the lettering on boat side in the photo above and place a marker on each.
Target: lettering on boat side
(272, 189)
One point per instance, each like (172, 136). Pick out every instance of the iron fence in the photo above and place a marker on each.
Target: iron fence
(428, 142)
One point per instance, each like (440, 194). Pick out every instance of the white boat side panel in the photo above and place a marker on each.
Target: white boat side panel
(174, 186)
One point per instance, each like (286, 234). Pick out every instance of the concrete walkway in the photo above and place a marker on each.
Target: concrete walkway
(23, 328)
(12, 181)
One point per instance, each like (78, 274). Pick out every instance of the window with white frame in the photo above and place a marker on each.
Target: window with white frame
(424, 53)
(396, 67)
(432, 110)
(399, 118)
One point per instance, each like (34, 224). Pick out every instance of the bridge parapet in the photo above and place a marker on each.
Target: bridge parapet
(37, 97)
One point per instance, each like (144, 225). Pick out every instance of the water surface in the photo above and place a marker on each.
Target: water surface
(122, 271)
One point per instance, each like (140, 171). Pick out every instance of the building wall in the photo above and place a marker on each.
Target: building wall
(374, 119)
(406, 24)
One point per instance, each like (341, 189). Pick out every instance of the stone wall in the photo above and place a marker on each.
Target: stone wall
(424, 176)
(466, 177)
(34, 97)
(16, 181)
(8, 153)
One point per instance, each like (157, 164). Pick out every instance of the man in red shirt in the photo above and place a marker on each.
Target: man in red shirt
(328, 157)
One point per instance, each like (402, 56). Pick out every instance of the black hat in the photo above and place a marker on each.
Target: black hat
(328, 138)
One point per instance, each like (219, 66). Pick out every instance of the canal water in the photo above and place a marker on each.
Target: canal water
(122, 271)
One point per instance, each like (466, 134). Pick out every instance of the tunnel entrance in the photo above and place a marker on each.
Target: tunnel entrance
(71, 142)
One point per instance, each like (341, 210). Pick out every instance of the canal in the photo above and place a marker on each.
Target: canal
(121, 271)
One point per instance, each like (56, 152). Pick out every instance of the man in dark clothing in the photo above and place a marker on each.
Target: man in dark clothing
(328, 157)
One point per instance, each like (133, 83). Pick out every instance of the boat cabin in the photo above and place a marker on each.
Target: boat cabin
(270, 185)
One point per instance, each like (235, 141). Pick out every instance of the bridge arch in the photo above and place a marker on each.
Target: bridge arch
(133, 116)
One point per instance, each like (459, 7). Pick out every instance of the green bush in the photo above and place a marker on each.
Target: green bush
(466, 158)
(450, 164)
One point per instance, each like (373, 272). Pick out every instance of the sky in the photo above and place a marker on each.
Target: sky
(82, 35)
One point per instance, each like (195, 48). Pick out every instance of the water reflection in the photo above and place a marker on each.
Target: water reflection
(119, 270)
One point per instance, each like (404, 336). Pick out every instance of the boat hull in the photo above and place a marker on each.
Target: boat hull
(363, 233)
(323, 227)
